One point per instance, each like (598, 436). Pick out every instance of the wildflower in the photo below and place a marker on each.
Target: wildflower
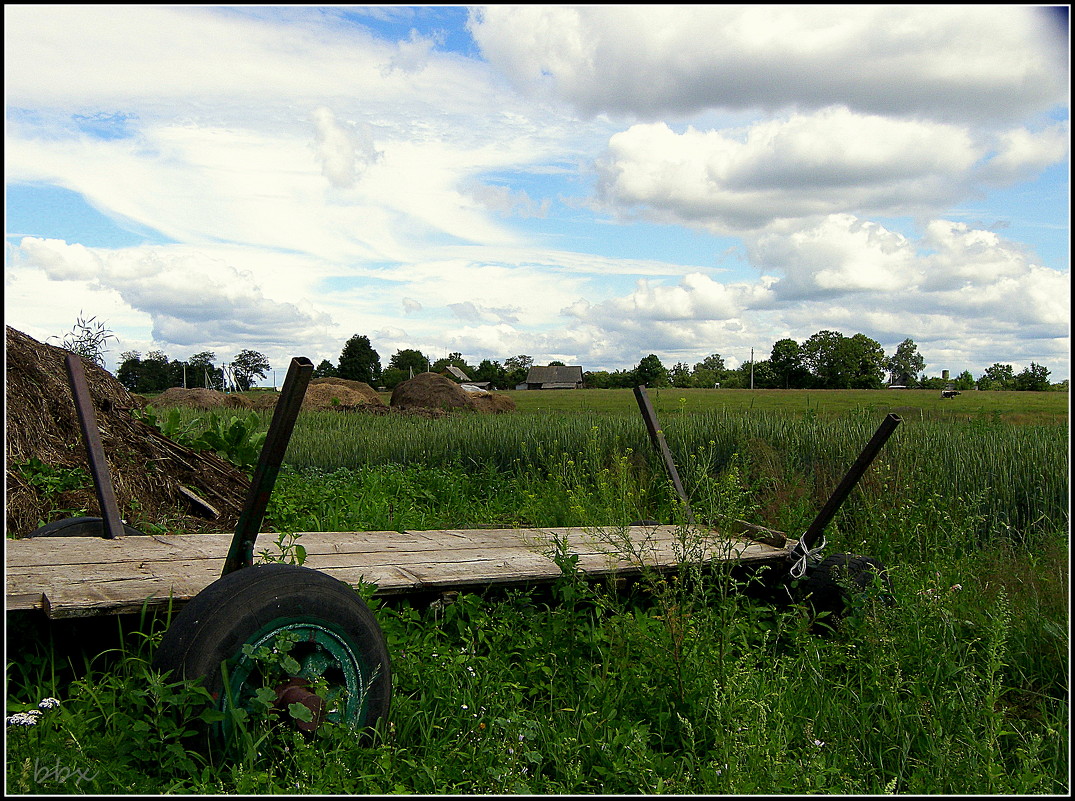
(956, 587)
(819, 743)
(23, 719)
(48, 703)
(464, 706)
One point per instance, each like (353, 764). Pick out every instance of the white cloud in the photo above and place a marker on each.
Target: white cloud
(308, 180)
(840, 255)
(651, 61)
(191, 298)
(343, 154)
(832, 161)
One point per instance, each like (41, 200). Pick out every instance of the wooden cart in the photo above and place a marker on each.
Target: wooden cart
(229, 607)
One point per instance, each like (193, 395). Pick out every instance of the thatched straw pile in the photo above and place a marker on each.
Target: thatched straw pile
(434, 391)
(198, 398)
(147, 468)
(342, 394)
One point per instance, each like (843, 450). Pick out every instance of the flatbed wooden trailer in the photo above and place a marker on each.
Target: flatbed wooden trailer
(67, 577)
(231, 609)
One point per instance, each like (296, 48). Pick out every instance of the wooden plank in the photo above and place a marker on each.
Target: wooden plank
(82, 576)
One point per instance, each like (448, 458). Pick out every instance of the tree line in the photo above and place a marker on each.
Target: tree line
(156, 372)
(825, 360)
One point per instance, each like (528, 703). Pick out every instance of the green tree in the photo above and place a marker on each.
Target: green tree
(714, 362)
(1034, 378)
(703, 378)
(359, 361)
(410, 360)
(764, 377)
(201, 371)
(905, 364)
(516, 369)
(596, 379)
(651, 372)
(246, 365)
(680, 375)
(491, 371)
(130, 369)
(325, 369)
(869, 370)
(829, 359)
(392, 377)
(786, 361)
(455, 359)
(964, 381)
(997, 376)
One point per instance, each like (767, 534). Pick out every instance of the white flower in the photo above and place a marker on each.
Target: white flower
(23, 719)
(48, 703)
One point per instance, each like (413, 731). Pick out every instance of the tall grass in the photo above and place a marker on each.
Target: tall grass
(683, 684)
(1012, 476)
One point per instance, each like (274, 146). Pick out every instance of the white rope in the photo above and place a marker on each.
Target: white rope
(799, 568)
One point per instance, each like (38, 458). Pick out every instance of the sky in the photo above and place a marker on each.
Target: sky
(588, 184)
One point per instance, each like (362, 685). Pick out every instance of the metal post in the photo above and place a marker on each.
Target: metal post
(91, 436)
(655, 434)
(241, 553)
(839, 495)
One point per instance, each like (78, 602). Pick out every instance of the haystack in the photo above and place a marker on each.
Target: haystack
(435, 391)
(342, 394)
(199, 398)
(154, 478)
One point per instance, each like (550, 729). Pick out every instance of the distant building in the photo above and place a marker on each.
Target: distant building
(553, 378)
(454, 372)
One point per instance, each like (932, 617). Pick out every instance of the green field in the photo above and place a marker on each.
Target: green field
(690, 685)
(912, 404)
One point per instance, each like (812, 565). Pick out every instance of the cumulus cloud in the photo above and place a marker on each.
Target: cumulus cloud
(649, 60)
(953, 283)
(344, 154)
(190, 298)
(839, 255)
(831, 161)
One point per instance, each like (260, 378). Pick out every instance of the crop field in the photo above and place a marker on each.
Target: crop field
(695, 683)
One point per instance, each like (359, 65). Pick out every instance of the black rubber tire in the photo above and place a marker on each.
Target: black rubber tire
(253, 604)
(80, 527)
(838, 580)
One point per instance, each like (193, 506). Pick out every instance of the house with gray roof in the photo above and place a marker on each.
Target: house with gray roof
(555, 377)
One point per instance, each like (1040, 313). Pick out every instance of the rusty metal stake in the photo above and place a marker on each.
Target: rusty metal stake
(91, 436)
(241, 552)
(657, 436)
(803, 548)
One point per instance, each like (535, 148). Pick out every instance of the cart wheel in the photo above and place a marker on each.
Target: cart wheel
(338, 648)
(80, 527)
(838, 580)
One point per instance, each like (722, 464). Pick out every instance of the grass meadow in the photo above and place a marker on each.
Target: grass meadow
(688, 684)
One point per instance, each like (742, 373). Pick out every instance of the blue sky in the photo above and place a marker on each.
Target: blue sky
(590, 184)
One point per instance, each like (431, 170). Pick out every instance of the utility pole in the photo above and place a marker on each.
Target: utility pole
(752, 368)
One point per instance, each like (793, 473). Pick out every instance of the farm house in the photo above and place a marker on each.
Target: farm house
(554, 377)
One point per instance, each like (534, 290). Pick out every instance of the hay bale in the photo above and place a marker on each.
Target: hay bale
(147, 468)
(340, 397)
(492, 402)
(199, 398)
(429, 391)
(435, 391)
(340, 393)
